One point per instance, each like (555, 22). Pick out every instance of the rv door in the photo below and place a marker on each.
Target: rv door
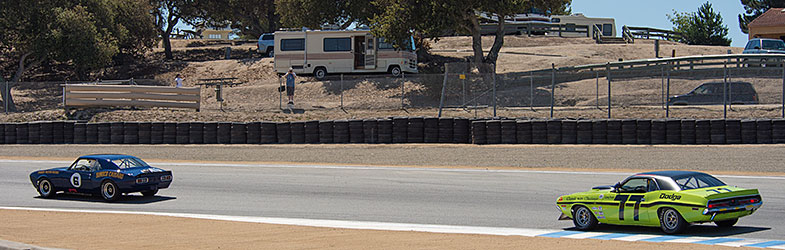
(370, 52)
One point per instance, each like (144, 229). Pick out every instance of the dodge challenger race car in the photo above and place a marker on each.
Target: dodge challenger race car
(672, 200)
(107, 175)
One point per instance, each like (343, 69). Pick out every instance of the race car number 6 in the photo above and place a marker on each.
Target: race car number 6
(76, 180)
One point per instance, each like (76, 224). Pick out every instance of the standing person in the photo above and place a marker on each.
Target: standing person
(290, 77)
(178, 81)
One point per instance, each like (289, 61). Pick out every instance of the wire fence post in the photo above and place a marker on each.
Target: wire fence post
(341, 91)
(553, 86)
(6, 94)
(403, 82)
(608, 69)
(725, 91)
(597, 90)
(463, 89)
(663, 96)
(280, 94)
(494, 89)
(668, 93)
(783, 91)
(444, 86)
(531, 90)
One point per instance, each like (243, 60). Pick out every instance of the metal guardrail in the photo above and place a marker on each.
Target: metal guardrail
(78, 95)
(691, 62)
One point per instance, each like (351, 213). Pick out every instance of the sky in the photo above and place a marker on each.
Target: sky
(653, 13)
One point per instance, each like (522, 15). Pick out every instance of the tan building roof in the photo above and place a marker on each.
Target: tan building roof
(772, 17)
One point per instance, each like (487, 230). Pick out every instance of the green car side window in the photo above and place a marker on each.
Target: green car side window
(636, 185)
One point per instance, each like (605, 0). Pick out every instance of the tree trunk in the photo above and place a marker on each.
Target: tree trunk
(167, 46)
(498, 42)
(476, 38)
(6, 95)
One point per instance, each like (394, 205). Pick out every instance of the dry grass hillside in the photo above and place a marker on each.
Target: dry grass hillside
(377, 96)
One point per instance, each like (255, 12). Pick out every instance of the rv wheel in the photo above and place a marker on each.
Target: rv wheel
(320, 73)
(395, 71)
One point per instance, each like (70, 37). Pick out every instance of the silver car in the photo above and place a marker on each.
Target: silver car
(266, 44)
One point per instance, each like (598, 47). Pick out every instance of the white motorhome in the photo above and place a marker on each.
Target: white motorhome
(322, 52)
(606, 25)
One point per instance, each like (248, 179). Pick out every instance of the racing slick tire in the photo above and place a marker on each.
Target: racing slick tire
(583, 219)
(109, 191)
(150, 193)
(726, 223)
(45, 188)
(671, 221)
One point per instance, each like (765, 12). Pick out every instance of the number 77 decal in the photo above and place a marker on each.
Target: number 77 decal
(622, 199)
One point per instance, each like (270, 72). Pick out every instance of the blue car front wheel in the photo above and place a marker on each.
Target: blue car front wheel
(45, 188)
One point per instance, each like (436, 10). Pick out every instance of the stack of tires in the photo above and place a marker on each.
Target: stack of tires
(356, 131)
(196, 133)
(569, 130)
(703, 132)
(145, 132)
(210, 133)
(749, 134)
(461, 128)
(269, 133)
(493, 131)
(613, 132)
(34, 132)
(326, 131)
(509, 133)
(370, 131)
(599, 132)
(629, 131)
(688, 131)
(298, 132)
(22, 133)
(253, 132)
(283, 130)
(479, 135)
(431, 130)
(80, 133)
(2, 134)
(659, 131)
(539, 132)
(717, 131)
(523, 131)
(68, 132)
(733, 131)
(130, 133)
(341, 131)
(416, 130)
(673, 131)
(58, 132)
(553, 131)
(104, 133)
(778, 131)
(116, 135)
(763, 131)
(385, 128)
(312, 132)
(91, 133)
(643, 132)
(399, 130)
(182, 132)
(170, 133)
(224, 133)
(446, 130)
(9, 131)
(583, 132)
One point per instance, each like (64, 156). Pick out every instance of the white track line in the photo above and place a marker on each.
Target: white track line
(393, 168)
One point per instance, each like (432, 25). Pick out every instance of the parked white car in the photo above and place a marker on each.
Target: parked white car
(266, 44)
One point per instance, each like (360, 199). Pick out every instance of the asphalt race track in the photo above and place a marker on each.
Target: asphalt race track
(490, 198)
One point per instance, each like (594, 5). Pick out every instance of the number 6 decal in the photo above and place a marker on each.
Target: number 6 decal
(76, 180)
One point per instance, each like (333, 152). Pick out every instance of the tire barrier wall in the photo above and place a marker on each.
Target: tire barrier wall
(403, 130)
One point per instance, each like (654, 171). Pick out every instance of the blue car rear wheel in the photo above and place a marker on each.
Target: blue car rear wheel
(109, 191)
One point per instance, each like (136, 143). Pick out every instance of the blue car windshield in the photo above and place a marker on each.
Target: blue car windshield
(125, 163)
(697, 181)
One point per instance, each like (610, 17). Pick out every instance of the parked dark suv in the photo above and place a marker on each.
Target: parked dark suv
(711, 93)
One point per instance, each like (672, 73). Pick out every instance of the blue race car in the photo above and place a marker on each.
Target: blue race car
(111, 176)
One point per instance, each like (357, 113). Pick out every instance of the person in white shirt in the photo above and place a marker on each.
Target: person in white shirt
(178, 81)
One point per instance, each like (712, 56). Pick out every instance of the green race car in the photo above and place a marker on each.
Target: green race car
(671, 200)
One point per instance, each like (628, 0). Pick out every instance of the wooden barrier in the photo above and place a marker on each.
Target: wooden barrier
(78, 95)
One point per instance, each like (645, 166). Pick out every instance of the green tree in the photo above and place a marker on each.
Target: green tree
(432, 18)
(754, 8)
(85, 34)
(250, 17)
(315, 13)
(168, 13)
(704, 27)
